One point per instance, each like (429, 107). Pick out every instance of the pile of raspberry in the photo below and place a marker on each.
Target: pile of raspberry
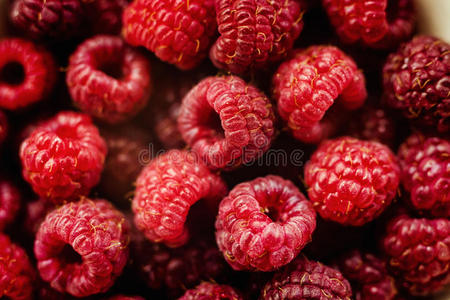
(223, 149)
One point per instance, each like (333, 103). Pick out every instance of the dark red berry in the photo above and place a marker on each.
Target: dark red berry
(212, 291)
(10, 199)
(105, 16)
(35, 213)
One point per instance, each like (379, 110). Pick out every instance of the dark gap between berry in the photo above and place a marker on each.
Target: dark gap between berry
(12, 73)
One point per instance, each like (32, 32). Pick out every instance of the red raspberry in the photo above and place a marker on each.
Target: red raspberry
(212, 291)
(4, 128)
(16, 272)
(82, 247)
(123, 297)
(351, 181)
(369, 276)
(246, 121)
(108, 79)
(377, 24)
(417, 81)
(9, 203)
(27, 73)
(306, 86)
(177, 31)
(425, 165)
(418, 253)
(35, 213)
(254, 33)
(305, 279)
(263, 224)
(63, 158)
(165, 191)
(105, 16)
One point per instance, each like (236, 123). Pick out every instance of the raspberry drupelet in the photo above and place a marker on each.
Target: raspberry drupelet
(108, 79)
(263, 224)
(416, 81)
(425, 166)
(179, 32)
(245, 129)
(351, 181)
(27, 73)
(10, 199)
(212, 291)
(377, 24)
(306, 86)
(82, 247)
(165, 191)
(255, 33)
(417, 253)
(309, 280)
(63, 157)
(16, 272)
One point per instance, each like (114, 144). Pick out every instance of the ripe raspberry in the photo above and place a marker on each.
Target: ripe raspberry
(417, 81)
(377, 24)
(305, 279)
(35, 213)
(351, 181)
(165, 191)
(108, 79)
(263, 224)
(63, 158)
(368, 275)
(82, 247)
(246, 121)
(254, 33)
(9, 203)
(123, 297)
(212, 291)
(425, 166)
(177, 31)
(4, 128)
(16, 272)
(418, 253)
(27, 73)
(105, 16)
(306, 86)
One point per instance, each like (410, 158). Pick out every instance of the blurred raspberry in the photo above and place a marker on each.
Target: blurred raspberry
(179, 32)
(105, 16)
(255, 33)
(4, 128)
(166, 127)
(417, 81)
(10, 199)
(212, 291)
(35, 213)
(306, 86)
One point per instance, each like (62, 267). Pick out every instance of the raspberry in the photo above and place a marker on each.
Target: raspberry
(378, 24)
(306, 85)
(246, 121)
(351, 181)
(63, 158)
(425, 165)
(27, 73)
(16, 272)
(108, 79)
(416, 81)
(263, 224)
(212, 291)
(35, 212)
(82, 247)
(177, 31)
(166, 127)
(305, 279)
(254, 33)
(165, 191)
(9, 203)
(368, 275)
(418, 253)
(105, 16)
(4, 128)
(123, 297)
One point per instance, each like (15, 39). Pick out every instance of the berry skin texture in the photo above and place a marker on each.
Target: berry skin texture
(27, 73)
(255, 33)
(179, 32)
(416, 81)
(63, 158)
(417, 252)
(9, 203)
(351, 181)
(16, 272)
(96, 88)
(246, 127)
(82, 247)
(305, 279)
(425, 165)
(377, 24)
(165, 191)
(263, 224)
(306, 86)
(212, 291)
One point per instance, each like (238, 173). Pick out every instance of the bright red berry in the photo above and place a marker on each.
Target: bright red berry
(351, 181)
(212, 291)
(10, 199)
(306, 86)
(63, 157)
